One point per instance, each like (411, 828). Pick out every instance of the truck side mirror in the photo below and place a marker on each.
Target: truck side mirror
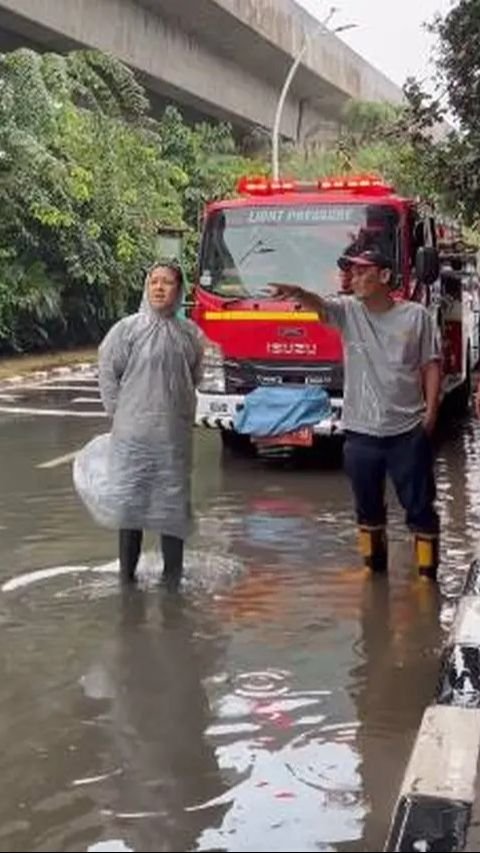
(427, 265)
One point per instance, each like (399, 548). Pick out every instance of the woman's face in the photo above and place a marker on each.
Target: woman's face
(163, 288)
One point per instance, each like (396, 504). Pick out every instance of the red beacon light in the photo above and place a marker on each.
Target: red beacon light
(262, 186)
(265, 186)
(357, 183)
(253, 186)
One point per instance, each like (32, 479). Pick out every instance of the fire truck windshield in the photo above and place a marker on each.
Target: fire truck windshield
(245, 249)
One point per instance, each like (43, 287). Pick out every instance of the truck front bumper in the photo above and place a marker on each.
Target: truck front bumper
(218, 411)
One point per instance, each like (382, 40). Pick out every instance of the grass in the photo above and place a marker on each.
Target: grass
(23, 364)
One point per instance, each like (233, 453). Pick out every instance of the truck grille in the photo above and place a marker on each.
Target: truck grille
(244, 376)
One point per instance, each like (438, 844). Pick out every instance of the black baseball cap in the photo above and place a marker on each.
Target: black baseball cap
(345, 261)
(369, 258)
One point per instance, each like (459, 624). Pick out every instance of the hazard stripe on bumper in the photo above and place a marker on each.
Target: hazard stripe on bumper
(276, 316)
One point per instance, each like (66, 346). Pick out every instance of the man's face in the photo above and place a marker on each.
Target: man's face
(346, 280)
(163, 288)
(369, 281)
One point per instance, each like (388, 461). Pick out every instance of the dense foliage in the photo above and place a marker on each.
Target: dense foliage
(87, 177)
(458, 67)
(393, 141)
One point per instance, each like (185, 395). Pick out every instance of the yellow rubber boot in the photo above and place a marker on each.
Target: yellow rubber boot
(373, 547)
(427, 555)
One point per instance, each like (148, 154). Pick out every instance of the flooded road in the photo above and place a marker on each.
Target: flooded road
(272, 707)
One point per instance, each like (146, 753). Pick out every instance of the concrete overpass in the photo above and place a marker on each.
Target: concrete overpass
(221, 58)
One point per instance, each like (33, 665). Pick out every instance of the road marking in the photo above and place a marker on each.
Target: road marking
(21, 581)
(41, 574)
(87, 400)
(56, 413)
(60, 460)
(92, 780)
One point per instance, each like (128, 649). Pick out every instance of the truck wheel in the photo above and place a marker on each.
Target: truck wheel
(237, 443)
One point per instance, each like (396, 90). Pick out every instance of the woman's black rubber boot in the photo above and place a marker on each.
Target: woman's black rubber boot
(129, 548)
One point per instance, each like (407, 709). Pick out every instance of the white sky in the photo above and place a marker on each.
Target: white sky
(390, 33)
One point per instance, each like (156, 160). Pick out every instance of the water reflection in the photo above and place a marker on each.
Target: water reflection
(274, 707)
(392, 685)
(297, 784)
(114, 745)
(156, 722)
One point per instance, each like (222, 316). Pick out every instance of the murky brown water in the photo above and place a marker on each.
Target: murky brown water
(273, 707)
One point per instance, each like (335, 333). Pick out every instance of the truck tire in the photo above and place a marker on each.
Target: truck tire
(236, 443)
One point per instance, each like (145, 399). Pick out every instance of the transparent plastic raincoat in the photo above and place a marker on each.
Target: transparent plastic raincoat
(138, 476)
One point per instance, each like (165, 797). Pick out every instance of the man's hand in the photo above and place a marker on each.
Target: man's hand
(295, 293)
(477, 401)
(432, 382)
(430, 422)
(291, 292)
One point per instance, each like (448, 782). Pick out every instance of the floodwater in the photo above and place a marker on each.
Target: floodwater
(272, 706)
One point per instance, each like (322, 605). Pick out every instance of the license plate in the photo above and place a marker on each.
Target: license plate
(299, 438)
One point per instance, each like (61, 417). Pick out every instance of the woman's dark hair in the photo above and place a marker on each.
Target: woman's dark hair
(170, 264)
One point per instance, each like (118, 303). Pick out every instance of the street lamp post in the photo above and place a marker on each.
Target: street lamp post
(322, 28)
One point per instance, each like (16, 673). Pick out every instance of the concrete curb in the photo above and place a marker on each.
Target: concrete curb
(28, 376)
(434, 808)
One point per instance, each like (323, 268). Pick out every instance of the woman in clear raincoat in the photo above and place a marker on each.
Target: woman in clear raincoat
(138, 477)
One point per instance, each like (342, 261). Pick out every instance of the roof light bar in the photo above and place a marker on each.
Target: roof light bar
(354, 182)
(262, 186)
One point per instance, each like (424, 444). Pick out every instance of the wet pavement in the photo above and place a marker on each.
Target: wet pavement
(272, 706)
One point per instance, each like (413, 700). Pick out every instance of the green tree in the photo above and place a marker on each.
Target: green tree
(87, 177)
(458, 67)
(459, 61)
(394, 141)
(83, 187)
(208, 155)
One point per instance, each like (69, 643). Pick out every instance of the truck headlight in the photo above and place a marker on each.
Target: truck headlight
(213, 372)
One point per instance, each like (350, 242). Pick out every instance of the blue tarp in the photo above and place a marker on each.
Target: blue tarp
(275, 411)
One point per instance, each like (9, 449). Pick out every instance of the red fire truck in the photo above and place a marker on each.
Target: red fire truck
(293, 232)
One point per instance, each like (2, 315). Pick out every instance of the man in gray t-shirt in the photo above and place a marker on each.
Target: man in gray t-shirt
(391, 401)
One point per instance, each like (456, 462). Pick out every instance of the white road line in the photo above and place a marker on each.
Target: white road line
(60, 460)
(22, 581)
(41, 574)
(87, 400)
(57, 413)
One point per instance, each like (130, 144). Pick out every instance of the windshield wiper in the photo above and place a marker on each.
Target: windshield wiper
(237, 301)
(258, 248)
(250, 297)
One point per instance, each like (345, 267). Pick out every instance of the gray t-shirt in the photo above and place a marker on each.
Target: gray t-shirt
(384, 354)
